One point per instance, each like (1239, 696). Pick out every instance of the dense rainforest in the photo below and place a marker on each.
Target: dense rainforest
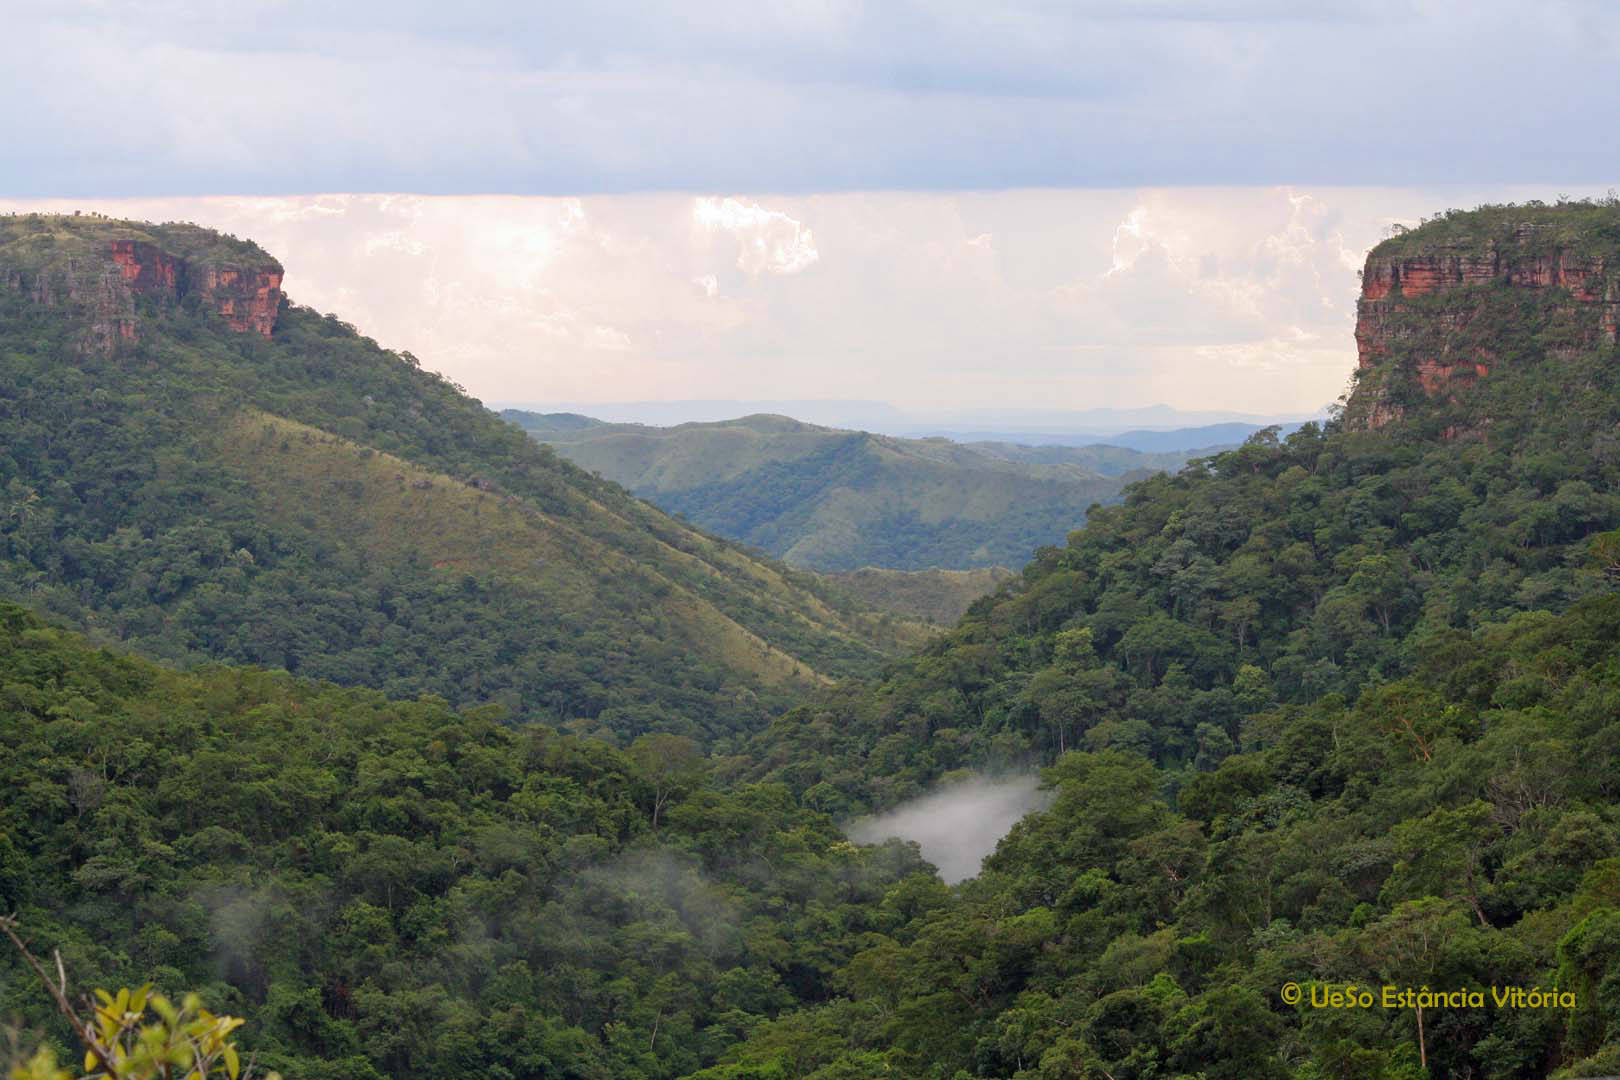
(400, 888)
(1304, 698)
(1337, 708)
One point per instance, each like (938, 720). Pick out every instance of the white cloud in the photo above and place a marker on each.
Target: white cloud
(768, 241)
(1291, 351)
(394, 240)
(608, 339)
(1130, 241)
(1238, 299)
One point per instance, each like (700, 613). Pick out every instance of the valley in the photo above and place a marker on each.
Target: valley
(336, 697)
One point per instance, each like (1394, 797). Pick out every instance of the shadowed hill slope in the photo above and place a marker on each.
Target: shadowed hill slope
(940, 597)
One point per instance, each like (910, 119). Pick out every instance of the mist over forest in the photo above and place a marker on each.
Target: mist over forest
(959, 824)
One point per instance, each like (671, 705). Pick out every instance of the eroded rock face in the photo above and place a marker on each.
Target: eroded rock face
(1438, 340)
(248, 297)
(109, 278)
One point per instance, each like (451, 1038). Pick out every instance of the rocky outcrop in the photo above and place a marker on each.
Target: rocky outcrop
(112, 276)
(247, 296)
(249, 299)
(1427, 313)
(108, 304)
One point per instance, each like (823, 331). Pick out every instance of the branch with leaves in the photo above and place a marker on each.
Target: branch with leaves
(123, 1042)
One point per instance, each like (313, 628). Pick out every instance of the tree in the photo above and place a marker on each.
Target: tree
(672, 764)
(1442, 854)
(1228, 1034)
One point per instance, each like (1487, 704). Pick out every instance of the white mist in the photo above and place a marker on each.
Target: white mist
(957, 825)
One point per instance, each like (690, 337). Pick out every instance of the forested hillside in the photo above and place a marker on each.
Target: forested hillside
(835, 500)
(1336, 708)
(1453, 830)
(403, 889)
(1345, 710)
(195, 468)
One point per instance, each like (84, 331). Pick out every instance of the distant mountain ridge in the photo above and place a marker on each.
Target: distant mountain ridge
(837, 500)
(1193, 441)
(1070, 427)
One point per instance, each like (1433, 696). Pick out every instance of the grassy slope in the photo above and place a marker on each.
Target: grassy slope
(397, 512)
(940, 597)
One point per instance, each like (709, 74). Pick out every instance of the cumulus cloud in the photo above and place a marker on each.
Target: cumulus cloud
(1284, 271)
(1236, 299)
(768, 241)
(959, 824)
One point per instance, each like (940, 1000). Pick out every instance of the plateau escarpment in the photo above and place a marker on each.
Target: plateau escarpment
(112, 272)
(1441, 308)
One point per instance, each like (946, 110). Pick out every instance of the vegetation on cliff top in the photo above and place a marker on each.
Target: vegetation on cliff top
(33, 241)
(1579, 226)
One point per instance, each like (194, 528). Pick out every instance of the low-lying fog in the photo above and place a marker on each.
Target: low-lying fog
(957, 825)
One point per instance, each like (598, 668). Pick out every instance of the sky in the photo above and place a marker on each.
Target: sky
(946, 206)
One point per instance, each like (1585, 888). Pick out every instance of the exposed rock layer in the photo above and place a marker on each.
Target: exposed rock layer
(112, 278)
(248, 297)
(1436, 340)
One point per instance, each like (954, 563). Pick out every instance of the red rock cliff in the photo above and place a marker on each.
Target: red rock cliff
(110, 271)
(1437, 338)
(248, 297)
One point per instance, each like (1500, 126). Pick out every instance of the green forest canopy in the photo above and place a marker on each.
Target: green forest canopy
(1336, 708)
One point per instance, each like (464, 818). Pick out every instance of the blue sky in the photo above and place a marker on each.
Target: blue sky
(180, 97)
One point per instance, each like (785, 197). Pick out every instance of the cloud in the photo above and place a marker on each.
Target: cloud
(1239, 299)
(1285, 269)
(296, 97)
(768, 241)
(959, 824)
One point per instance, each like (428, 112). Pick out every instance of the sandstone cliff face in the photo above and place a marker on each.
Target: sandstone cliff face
(1428, 313)
(110, 278)
(248, 297)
